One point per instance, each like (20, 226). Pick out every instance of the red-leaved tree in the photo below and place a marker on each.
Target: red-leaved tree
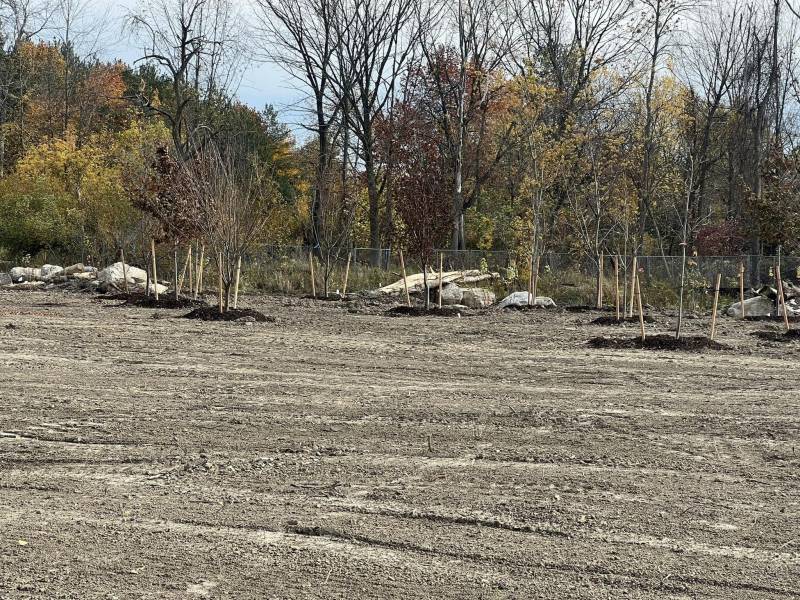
(422, 187)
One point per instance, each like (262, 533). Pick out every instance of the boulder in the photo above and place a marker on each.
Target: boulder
(74, 269)
(478, 298)
(451, 294)
(521, 299)
(162, 289)
(760, 306)
(115, 275)
(50, 272)
(23, 274)
(416, 282)
(5, 279)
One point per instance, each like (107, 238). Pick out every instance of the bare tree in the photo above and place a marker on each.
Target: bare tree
(197, 44)
(376, 42)
(477, 36)
(301, 37)
(662, 19)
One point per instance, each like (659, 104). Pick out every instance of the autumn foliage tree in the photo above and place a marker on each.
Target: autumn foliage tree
(423, 190)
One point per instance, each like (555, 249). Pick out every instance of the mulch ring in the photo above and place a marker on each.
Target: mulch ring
(657, 342)
(144, 301)
(527, 307)
(580, 308)
(419, 311)
(792, 335)
(614, 321)
(211, 313)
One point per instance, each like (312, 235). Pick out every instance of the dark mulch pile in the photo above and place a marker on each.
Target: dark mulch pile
(211, 313)
(657, 342)
(144, 301)
(613, 320)
(419, 311)
(526, 307)
(586, 308)
(778, 336)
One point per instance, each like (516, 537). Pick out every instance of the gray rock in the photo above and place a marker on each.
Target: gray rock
(451, 294)
(74, 269)
(50, 272)
(759, 306)
(23, 274)
(5, 279)
(521, 299)
(478, 298)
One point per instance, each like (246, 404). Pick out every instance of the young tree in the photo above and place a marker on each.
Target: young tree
(236, 195)
(423, 187)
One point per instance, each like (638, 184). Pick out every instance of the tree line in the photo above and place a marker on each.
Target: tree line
(584, 126)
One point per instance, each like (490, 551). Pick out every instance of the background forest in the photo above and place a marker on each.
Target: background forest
(527, 126)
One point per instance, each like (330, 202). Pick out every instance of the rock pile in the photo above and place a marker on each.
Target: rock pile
(765, 303)
(79, 276)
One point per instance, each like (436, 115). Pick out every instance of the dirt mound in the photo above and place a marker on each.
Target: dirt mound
(419, 311)
(145, 301)
(211, 313)
(613, 320)
(657, 342)
(792, 335)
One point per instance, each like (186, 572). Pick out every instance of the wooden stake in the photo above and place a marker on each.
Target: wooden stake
(175, 271)
(191, 268)
(441, 277)
(536, 277)
(639, 304)
(600, 281)
(716, 304)
(124, 270)
(311, 268)
(155, 274)
(530, 280)
(236, 285)
(741, 287)
(201, 268)
(405, 279)
(616, 285)
(346, 274)
(782, 299)
(184, 270)
(219, 269)
(633, 286)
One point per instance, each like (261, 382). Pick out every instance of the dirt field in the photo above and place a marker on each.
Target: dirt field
(147, 457)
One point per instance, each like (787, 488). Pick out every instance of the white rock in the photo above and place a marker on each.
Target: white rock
(114, 275)
(479, 298)
(521, 299)
(51, 271)
(758, 306)
(451, 294)
(74, 269)
(23, 274)
(162, 289)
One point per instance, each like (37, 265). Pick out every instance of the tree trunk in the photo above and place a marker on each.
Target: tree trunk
(374, 210)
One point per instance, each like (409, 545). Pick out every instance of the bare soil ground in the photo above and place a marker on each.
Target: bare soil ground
(147, 457)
